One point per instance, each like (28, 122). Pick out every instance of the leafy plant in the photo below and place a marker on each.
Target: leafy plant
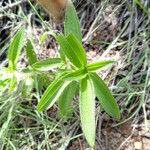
(15, 48)
(13, 75)
(73, 75)
(90, 84)
(9, 74)
(78, 73)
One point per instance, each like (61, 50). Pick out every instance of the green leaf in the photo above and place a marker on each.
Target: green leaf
(87, 110)
(72, 24)
(28, 85)
(105, 97)
(49, 96)
(76, 75)
(44, 80)
(4, 85)
(78, 48)
(31, 52)
(43, 37)
(98, 65)
(13, 83)
(69, 51)
(47, 64)
(56, 88)
(4, 82)
(64, 103)
(15, 48)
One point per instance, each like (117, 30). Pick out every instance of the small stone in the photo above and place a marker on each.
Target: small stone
(138, 145)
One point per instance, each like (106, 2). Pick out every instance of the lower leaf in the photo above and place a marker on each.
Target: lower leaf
(87, 110)
(47, 99)
(66, 98)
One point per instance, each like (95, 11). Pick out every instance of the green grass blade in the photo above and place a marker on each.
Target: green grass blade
(64, 103)
(87, 110)
(98, 65)
(78, 48)
(105, 97)
(31, 52)
(48, 64)
(15, 48)
(69, 51)
(72, 24)
(5, 126)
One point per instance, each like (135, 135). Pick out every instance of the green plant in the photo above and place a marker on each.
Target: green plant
(74, 75)
(78, 73)
(9, 75)
(84, 75)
